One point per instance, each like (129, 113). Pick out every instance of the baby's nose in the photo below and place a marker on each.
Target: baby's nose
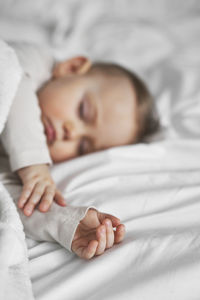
(71, 131)
(66, 133)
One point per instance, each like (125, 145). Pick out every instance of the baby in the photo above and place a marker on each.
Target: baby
(83, 107)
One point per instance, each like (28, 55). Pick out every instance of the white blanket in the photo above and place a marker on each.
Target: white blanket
(14, 275)
(153, 188)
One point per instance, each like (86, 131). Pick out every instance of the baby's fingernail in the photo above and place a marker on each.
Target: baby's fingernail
(28, 211)
(45, 206)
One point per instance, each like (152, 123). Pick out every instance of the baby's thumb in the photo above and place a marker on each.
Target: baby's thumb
(59, 199)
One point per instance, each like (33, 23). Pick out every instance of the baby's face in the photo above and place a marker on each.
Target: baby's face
(83, 113)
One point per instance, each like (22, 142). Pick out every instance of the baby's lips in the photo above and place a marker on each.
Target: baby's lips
(50, 133)
(49, 129)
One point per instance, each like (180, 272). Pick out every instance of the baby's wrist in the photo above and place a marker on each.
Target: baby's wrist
(32, 171)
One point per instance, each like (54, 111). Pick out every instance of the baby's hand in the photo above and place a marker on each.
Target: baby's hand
(95, 234)
(38, 186)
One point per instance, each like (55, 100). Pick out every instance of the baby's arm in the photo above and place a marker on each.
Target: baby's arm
(23, 137)
(81, 230)
(25, 143)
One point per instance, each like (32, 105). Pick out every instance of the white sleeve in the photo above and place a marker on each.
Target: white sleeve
(23, 136)
(59, 224)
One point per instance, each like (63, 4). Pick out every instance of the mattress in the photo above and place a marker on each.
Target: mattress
(154, 187)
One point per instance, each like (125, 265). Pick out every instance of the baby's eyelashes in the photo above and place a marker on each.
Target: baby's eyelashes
(82, 110)
(85, 146)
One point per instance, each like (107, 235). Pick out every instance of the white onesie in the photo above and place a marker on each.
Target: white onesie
(23, 137)
(24, 144)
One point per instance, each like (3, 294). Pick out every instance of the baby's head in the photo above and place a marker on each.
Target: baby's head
(89, 107)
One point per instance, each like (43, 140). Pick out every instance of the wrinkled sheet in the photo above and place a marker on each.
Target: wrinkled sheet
(154, 188)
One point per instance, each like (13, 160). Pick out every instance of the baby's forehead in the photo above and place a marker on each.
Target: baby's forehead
(115, 97)
(117, 123)
(119, 105)
(118, 91)
(118, 99)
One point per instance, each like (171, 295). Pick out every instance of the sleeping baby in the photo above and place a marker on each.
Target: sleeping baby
(63, 110)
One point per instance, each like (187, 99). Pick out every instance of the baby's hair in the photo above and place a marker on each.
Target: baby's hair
(147, 120)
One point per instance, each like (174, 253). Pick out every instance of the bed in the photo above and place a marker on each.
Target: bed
(153, 187)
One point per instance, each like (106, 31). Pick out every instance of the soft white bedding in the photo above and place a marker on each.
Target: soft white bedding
(15, 281)
(153, 188)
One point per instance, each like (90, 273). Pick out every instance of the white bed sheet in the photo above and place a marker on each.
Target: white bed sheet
(154, 188)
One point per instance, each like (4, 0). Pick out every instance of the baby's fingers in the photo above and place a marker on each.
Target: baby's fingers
(59, 198)
(34, 198)
(101, 236)
(47, 198)
(109, 233)
(115, 221)
(84, 247)
(120, 233)
(26, 192)
(89, 251)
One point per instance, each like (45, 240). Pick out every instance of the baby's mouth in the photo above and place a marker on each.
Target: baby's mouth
(50, 131)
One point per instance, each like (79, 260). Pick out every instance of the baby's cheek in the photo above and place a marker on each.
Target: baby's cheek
(62, 151)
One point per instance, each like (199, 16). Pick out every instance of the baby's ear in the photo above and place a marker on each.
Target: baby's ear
(75, 66)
